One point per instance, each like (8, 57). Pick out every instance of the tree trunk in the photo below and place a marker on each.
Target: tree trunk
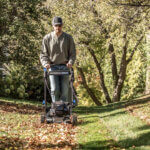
(113, 65)
(147, 90)
(90, 92)
(122, 72)
(102, 83)
(118, 89)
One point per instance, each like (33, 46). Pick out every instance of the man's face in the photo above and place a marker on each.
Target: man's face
(57, 28)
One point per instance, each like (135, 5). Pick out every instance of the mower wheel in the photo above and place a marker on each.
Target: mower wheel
(42, 118)
(74, 120)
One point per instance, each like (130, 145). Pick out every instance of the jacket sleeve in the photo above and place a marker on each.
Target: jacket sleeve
(72, 51)
(44, 57)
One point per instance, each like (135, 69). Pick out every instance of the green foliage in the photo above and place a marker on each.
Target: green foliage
(24, 23)
(19, 82)
(22, 26)
(85, 26)
(136, 76)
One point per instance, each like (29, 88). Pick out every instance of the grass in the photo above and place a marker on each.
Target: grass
(128, 131)
(118, 126)
(114, 127)
(92, 133)
(21, 101)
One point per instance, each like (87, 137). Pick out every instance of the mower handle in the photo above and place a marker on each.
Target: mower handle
(59, 72)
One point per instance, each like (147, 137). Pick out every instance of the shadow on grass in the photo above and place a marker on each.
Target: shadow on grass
(84, 122)
(110, 107)
(19, 108)
(113, 114)
(145, 127)
(92, 116)
(138, 101)
(99, 145)
(142, 140)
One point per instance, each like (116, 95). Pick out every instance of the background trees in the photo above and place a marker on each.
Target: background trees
(108, 35)
(21, 32)
(110, 41)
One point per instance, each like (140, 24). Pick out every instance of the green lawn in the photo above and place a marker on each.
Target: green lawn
(21, 101)
(118, 126)
(114, 127)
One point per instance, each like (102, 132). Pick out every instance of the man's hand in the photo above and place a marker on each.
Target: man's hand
(69, 65)
(47, 66)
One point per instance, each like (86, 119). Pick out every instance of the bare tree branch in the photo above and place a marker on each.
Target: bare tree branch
(132, 5)
(100, 22)
(134, 49)
(102, 83)
(90, 92)
(122, 72)
(113, 64)
(111, 48)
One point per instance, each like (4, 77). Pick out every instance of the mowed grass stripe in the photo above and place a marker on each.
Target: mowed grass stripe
(128, 131)
(92, 133)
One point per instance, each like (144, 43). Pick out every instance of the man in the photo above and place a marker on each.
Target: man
(58, 49)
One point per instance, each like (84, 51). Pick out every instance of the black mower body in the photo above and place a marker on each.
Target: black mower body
(60, 111)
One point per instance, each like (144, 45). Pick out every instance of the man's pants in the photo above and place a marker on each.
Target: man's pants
(59, 84)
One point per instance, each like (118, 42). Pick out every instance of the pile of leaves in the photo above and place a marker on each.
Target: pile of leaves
(20, 128)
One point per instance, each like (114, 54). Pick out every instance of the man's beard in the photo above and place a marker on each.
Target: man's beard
(58, 31)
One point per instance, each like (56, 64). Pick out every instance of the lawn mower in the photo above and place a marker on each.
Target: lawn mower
(59, 111)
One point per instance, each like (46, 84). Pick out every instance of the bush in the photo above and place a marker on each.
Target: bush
(20, 82)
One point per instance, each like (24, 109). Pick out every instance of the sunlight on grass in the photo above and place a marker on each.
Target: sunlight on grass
(126, 129)
(93, 134)
(21, 101)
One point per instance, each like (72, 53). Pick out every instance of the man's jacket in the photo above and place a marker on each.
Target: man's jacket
(57, 50)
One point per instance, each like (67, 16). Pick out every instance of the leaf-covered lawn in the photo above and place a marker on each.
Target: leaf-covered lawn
(118, 126)
(140, 110)
(20, 128)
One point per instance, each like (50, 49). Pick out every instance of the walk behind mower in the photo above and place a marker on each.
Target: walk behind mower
(59, 111)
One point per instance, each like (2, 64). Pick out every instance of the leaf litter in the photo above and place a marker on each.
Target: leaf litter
(141, 111)
(20, 128)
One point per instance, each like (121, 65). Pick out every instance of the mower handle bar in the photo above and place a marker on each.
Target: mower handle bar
(59, 72)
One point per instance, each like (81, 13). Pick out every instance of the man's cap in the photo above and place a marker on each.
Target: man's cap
(57, 21)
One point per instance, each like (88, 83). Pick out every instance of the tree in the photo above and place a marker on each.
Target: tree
(21, 32)
(21, 28)
(147, 90)
(106, 32)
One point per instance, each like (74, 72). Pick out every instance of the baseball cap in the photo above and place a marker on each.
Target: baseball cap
(57, 21)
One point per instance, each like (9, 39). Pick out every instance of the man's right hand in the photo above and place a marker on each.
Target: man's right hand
(47, 66)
